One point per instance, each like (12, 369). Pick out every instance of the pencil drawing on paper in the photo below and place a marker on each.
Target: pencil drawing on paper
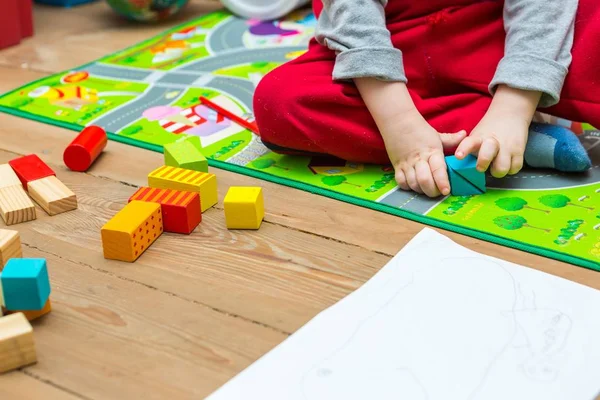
(490, 325)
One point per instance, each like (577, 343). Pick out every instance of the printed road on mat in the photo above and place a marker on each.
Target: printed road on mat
(149, 94)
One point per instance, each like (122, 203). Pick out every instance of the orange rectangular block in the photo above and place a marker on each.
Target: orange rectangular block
(132, 230)
(31, 315)
(181, 210)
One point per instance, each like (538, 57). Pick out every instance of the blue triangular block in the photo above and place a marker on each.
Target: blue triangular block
(465, 180)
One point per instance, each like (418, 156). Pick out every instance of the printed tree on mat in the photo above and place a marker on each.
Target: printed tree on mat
(559, 201)
(336, 180)
(266, 163)
(516, 204)
(514, 222)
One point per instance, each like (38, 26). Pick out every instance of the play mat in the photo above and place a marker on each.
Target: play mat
(147, 95)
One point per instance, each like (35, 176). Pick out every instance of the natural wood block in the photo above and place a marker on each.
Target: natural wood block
(181, 210)
(52, 195)
(17, 348)
(35, 314)
(167, 177)
(132, 230)
(10, 246)
(186, 153)
(15, 205)
(244, 207)
(30, 168)
(8, 176)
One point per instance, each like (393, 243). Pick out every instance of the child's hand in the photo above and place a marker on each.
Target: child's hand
(416, 151)
(500, 137)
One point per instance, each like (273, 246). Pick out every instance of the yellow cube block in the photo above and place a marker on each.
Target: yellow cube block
(132, 230)
(203, 183)
(244, 207)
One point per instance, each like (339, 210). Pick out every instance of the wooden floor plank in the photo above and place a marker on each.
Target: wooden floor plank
(12, 387)
(111, 338)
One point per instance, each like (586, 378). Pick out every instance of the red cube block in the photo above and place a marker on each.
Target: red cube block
(181, 210)
(30, 168)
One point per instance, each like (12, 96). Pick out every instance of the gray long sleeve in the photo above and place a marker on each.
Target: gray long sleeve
(356, 31)
(537, 52)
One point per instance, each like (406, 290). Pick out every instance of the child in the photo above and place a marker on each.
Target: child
(384, 81)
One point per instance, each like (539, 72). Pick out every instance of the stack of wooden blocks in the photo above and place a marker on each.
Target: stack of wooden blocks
(31, 175)
(174, 200)
(24, 296)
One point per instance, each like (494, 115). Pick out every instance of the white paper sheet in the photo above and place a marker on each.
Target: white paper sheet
(440, 322)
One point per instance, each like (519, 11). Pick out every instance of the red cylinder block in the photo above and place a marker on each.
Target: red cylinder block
(85, 148)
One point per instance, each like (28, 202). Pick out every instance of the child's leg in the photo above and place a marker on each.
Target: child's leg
(299, 109)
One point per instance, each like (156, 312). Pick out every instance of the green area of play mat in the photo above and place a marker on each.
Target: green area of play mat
(147, 95)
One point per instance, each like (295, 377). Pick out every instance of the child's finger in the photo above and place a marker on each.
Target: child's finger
(411, 179)
(425, 179)
(516, 165)
(501, 164)
(452, 140)
(488, 151)
(401, 180)
(470, 145)
(437, 163)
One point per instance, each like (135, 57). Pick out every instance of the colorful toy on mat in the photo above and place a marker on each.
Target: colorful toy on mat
(186, 153)
(81, 153)
(17, 348)
(187, 180)
(181, 210)
(147, 11)
(16, 22)
(465, 180)
(25, 284)
(64, 3)
(43, 185)
(248, 124)
(132, 230)
(10, 246)
(15, 205)
(244, 208)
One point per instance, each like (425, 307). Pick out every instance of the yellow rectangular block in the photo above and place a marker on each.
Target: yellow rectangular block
(244, 207)
(17, 348)
(132, 230)
(8, 176)
(10, 246)
(52, 195)
(205, 184)
(15, 205)
(35, 314)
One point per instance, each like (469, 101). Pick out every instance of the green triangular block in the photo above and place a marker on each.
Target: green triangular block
(186, 153)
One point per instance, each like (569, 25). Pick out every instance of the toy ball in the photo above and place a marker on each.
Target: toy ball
(147, 10)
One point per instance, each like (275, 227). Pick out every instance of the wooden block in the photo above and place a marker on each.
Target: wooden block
(244, 207)
(132, 230)
(186, 153)
(10, 246)
(52, 195)
(81, 153)
(181, 210)
(8, 177)
(34, 314)
(25, 284)
(17, 348)
(15, 205)
(465, 180)
(205, 184)
(30, 168)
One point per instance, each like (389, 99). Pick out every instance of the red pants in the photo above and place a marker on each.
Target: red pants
(450, 57)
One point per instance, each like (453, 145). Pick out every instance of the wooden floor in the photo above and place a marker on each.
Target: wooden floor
(192, 311)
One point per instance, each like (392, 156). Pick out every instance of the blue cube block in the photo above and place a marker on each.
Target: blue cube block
(25, 284)
(465, 180)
